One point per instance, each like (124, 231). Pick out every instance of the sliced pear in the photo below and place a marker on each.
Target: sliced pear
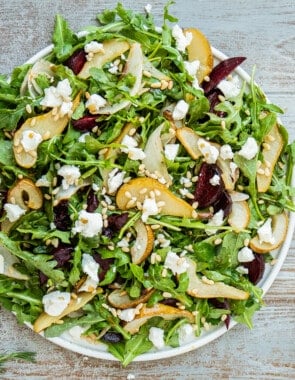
(26, 195)
(200, 49)
(47, 126)
(154, 160)
(70, 191)
(159, 310)
(123, 301)
(140, 188)
(189, 139)
(134, 66)
(144, 242)
(41, 67)
(112, 153)
(273, 145)
(9, 261)
(228, 176)
(199, 289)
(239, 217)
(112, 49)
(77, 302)
(279, 230)
(154, 72)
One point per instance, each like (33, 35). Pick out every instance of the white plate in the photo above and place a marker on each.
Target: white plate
(100, 350)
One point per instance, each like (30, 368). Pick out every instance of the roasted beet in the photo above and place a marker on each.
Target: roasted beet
(112, 337)
(42, 278)
(207, 194)
(62, 254)
(220, 72)
(255, 268)
(224, 202)
(85, 123)
(170, 302)
(92, 201)
(76, 61)
(62, 218)
(115, 223)
(104, 265)
(214, 100)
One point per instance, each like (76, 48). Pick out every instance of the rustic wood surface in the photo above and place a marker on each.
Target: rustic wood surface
(264, 31)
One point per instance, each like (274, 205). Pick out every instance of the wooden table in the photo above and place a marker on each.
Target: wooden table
(264, 32)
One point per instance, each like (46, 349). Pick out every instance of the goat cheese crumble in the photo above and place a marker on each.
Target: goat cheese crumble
(265, 233)
(156, 336)
(13, 211)
(56, 302)
(30, 140)
(175, 263)
(182, 39)
(88, 224)
(249, 149)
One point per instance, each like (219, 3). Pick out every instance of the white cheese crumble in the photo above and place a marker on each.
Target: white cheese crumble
(149, 207)
(82, 138)
(245, 255)
(182, 39)
(216, 221)
(185, 334)
(13, 212)
(249, 149)
(230, 88)
(192, 67)
(180, 110)
(156, 336)
(43, 182)
(130, 147)
(88, 224)
(56, 302)
(208, 150)
(30, 140)
(94, 47)
(175, 263)
(127, 315)
(226, 152)
(115, 180)
(90, 267)
(265, 234)
(170, 151)
(57, 96)
(215, 180)
(94, 103)
(162, 241)
(89, 285)
(70, 174)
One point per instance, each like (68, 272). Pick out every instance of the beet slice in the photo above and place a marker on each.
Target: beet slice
(112, 337)
(85, 123)
(92, 201)
(76, 61)
(255, 268)
(104, 265)
(207, 194)
(62, 254)
(62, 218)
(220, 72)
(224, 202)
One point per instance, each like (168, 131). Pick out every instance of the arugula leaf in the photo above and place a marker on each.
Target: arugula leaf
(63, 38)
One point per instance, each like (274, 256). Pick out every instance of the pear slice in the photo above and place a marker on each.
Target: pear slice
(77, 302)
(9, 260)
(273, 145)
(112, 49)
(200, 49)
(47, 126)
(199, 289)
(279, 229)
(154, 160)
(123, 301)
(159, 310)
(140, 188)
(26, 195)
(189, 139)
(144, 242)
(239, 217)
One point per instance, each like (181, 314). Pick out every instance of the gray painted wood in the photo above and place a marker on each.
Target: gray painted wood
(264, 31)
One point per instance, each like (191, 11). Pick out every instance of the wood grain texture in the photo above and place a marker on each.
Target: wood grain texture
(265, 33)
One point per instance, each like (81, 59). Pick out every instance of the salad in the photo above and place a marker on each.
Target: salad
(144, 187)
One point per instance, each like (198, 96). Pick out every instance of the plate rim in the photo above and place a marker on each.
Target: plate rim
(214, 332)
